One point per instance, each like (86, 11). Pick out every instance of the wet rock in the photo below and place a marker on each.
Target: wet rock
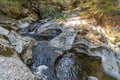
(62, 37)
(3, 31)
(14, 41)
(18, 41)
(45, 54)
(51, 24)
(39, 26)
(92, 78)
(68, 68)
(64, 40)
(26, 54)
(42, 28)
(44, 57)
(46, 35)
(41, 71)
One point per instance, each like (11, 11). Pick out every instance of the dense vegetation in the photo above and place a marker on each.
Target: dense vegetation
(22, 8)
(101, 10)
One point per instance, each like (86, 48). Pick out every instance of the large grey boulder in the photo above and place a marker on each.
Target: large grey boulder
(12, 68)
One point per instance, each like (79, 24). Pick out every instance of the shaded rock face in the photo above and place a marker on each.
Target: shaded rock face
(47, 34)
(42, 30)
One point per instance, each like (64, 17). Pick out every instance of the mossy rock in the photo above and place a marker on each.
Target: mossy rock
(12, 8)
(91, 66)
(29, 62)
(6, 51)
(22, 8)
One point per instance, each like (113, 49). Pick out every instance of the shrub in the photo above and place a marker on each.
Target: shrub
(12, 8)
(101, 10)
(45, 8)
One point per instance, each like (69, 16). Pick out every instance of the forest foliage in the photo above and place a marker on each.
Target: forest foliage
(98, 9)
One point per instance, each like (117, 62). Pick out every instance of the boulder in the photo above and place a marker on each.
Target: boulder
(11, 67)
(107, 55)
(64, 40)
(18, 41)
(3, 31)
(68, 68)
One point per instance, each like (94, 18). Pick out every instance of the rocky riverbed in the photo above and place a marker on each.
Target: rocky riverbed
(49, 49)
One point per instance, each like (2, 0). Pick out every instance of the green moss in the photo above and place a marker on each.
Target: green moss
(94, 8)
(46, 9)
(6, 51)
(29, 62)
(12, 8)
(117, 39)
(15, 8)
(7, 26)
(91, 66)
(113, 34)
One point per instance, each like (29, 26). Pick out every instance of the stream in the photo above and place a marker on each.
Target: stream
(55, 58)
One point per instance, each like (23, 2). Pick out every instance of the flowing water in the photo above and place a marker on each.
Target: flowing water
(52, 63)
